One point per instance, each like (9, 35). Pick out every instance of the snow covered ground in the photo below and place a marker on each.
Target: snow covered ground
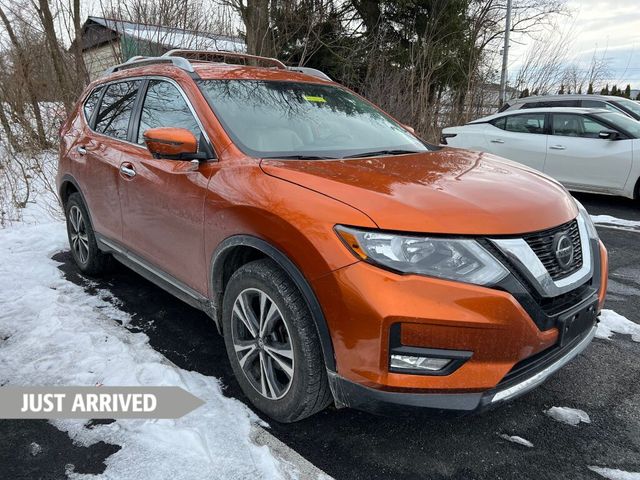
(53, 333)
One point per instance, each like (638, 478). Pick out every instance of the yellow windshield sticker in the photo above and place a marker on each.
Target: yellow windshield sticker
(311, 98)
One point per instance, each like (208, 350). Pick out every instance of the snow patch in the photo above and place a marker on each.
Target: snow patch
(605, 220)
(516, 439)
(615, 474)
(612, 322)
(570, 416)
(57, 334)
(34, 449)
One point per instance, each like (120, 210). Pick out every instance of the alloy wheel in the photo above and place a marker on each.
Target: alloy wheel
(78, 234)
(262, 343)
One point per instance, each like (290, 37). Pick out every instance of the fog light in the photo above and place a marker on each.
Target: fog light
(409, 362)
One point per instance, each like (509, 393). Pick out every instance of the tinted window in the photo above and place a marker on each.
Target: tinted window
(91, 102)
(593, 104)
(570, 125)
(522, 123)
(499, 122)
(115, 109)
(599, 104)
(164, 106)
(552, 104)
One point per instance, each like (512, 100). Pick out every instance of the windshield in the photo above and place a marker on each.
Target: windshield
(630, 105)
(621, 122)
(275, 119)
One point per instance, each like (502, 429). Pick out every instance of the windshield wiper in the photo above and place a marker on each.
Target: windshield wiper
(379, 153)
(299, 157)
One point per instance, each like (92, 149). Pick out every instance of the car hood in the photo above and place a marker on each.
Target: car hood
(450, 191)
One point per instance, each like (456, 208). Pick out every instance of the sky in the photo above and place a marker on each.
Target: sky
(609, 28)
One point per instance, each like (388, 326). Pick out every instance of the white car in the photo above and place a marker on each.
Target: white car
(587, 150)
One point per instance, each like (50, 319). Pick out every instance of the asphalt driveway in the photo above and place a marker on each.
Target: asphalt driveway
(347, 444)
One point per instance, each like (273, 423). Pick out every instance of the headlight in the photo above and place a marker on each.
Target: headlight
(591, 228)
(462, 260)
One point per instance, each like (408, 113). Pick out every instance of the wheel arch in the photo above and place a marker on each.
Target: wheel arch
(69, 185)
(238, 250)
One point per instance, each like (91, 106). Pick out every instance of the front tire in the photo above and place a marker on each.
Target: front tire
(272, 343)
(82, 240)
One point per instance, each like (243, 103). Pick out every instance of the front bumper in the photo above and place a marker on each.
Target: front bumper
(514, 340)
(347, 393)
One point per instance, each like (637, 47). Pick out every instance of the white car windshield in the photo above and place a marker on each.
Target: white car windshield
(629, 105)
(621, 122)
(281, 119)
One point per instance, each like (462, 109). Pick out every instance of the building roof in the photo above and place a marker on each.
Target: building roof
(170, 37)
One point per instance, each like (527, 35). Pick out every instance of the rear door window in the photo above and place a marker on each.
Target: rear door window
(164, 106)
(522, 123)
(115, 109)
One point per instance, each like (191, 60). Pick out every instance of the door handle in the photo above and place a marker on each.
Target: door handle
(127, 169)
(557, 147)
(81, 150)
(497, 140)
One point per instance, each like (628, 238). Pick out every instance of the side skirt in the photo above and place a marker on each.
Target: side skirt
(157, 276)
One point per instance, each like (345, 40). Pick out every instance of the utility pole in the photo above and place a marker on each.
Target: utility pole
(505, 57)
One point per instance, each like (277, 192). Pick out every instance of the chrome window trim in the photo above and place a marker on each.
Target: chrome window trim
(527, 262)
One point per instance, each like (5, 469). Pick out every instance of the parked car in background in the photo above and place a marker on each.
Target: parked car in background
(587, 150)
(343, 258)
(615, 104)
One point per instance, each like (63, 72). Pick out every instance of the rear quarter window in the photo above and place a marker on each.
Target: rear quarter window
(91, 103)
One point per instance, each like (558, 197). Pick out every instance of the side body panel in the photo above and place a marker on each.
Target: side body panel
(590, 163)
(527, 148)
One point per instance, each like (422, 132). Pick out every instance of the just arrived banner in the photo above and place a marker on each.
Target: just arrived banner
(95, 402)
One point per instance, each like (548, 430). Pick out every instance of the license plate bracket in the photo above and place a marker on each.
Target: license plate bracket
(577, 323)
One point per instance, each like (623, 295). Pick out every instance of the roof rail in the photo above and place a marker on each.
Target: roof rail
(314, 72)
(183, 58)
(140, 61)
(217, 56)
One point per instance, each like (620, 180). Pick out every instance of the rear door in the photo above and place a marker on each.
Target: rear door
(99, 153)
(519, 137)
(163, 200)
(581, 160)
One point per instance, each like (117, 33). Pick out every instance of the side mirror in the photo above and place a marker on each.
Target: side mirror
(410, 128)
(172, 143)
(608, 135)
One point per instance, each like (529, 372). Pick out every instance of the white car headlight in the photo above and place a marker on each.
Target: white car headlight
(591, 228)
(462, 260)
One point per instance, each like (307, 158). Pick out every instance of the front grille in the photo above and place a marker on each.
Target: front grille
(542, 244)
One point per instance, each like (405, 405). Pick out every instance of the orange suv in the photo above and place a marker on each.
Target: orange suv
(343, 259)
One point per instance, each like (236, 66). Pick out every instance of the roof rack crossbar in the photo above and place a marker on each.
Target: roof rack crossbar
(139, 61)
(218, 56)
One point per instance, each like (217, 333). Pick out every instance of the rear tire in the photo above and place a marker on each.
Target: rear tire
(261, 294)
(82, 240)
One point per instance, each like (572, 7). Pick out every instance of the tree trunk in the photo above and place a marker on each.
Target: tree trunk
(255, 16)
(44, 12)
(26, 78)
(81, 69)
